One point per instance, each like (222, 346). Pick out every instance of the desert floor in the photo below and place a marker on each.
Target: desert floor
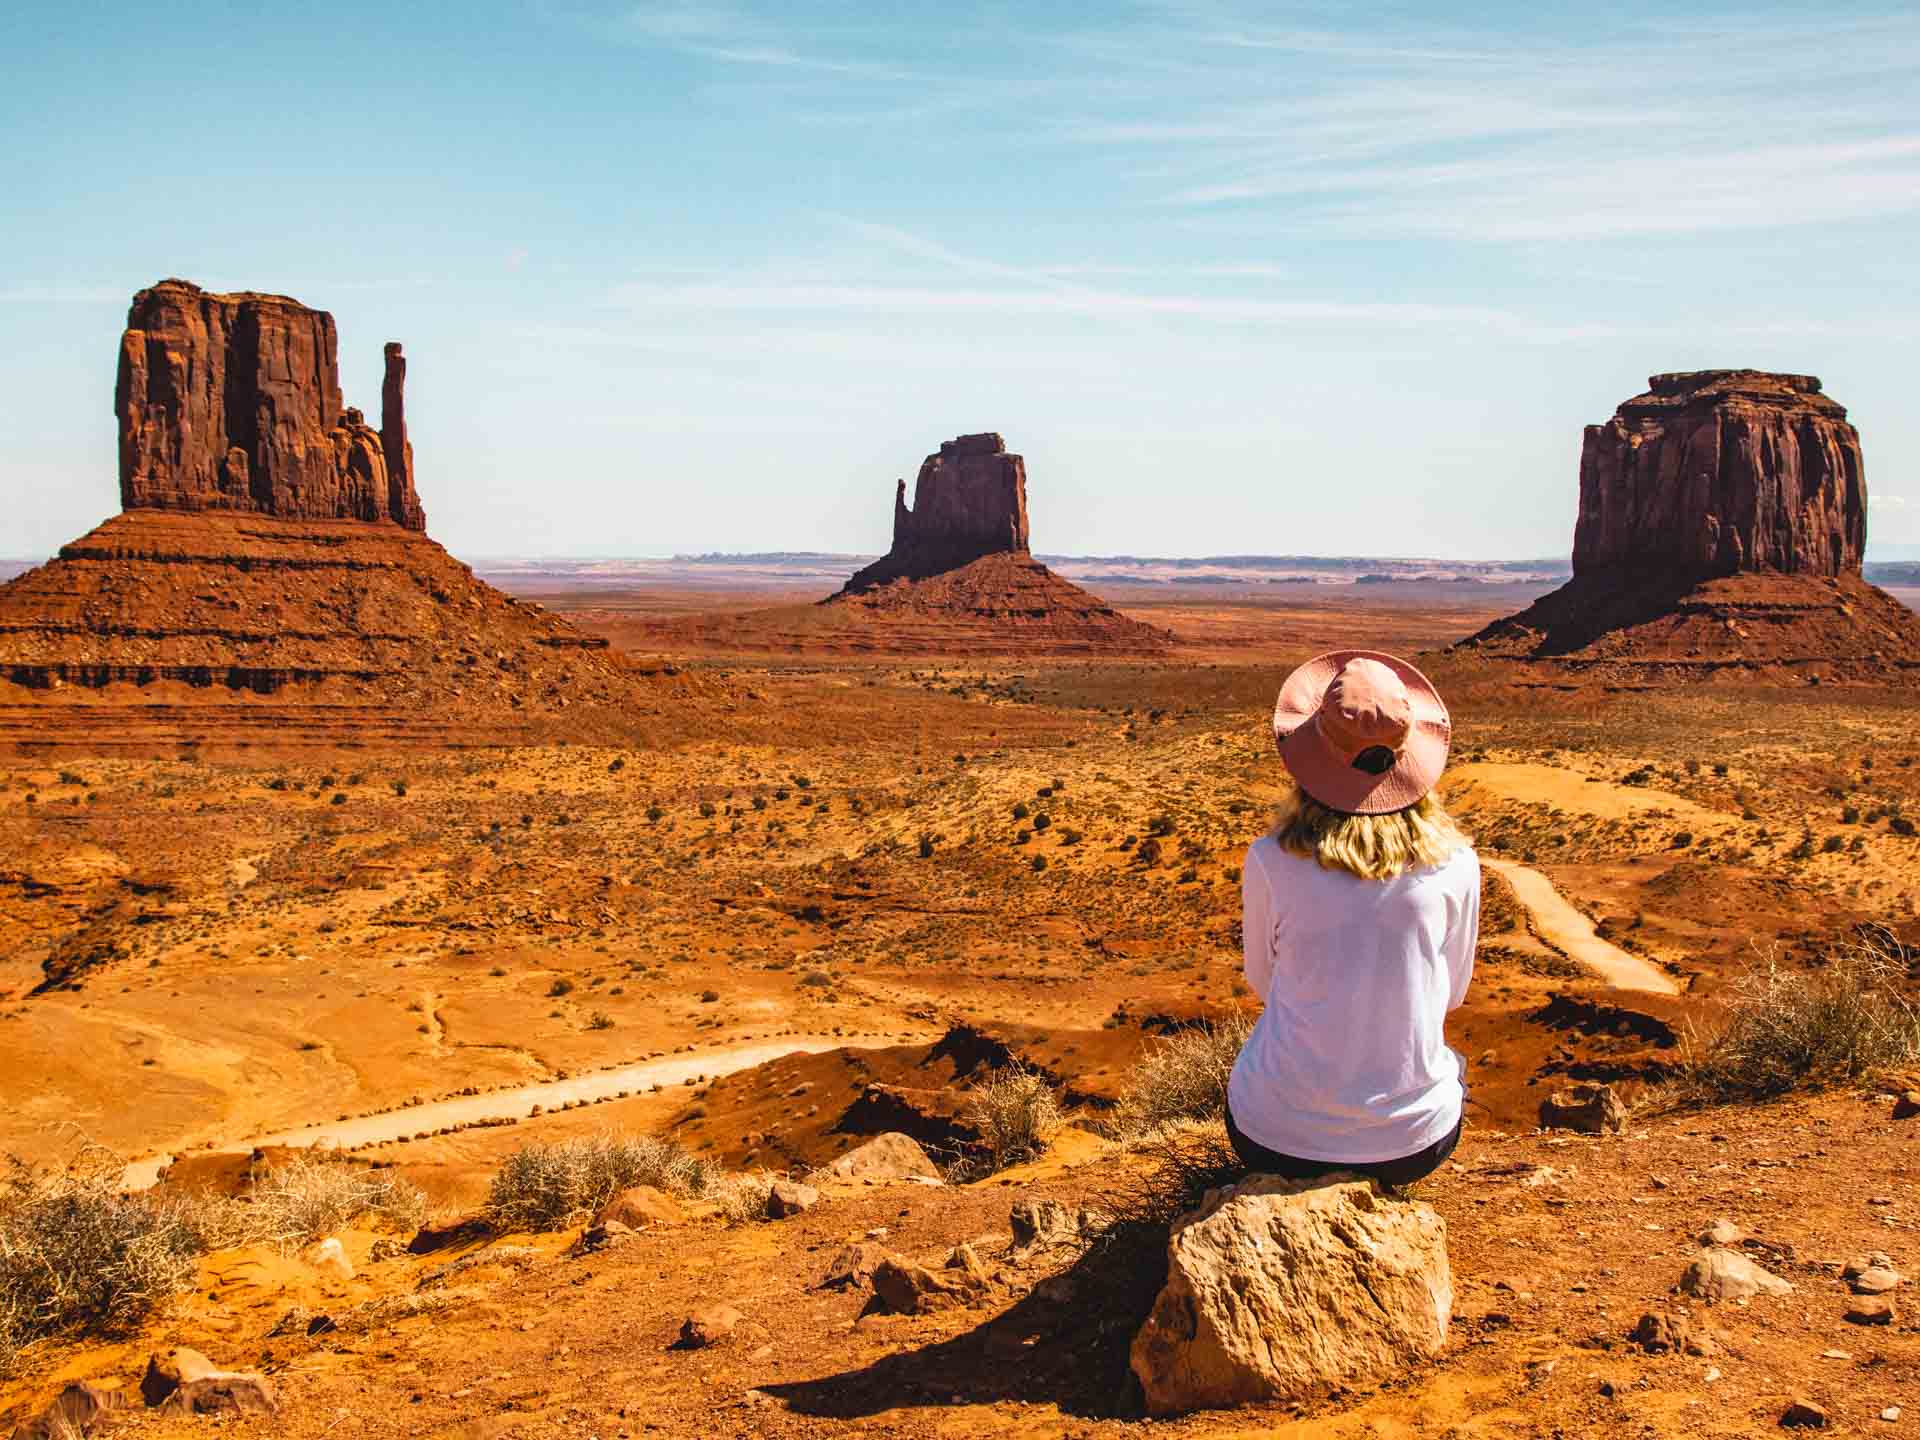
(857, 858)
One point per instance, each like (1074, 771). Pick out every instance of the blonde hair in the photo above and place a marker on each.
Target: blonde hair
(1374, 847)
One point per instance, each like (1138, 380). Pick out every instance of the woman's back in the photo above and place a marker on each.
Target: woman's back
(1347, 1062)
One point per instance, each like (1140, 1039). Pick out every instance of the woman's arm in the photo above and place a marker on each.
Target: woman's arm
(1463, 939)
(1256, 926)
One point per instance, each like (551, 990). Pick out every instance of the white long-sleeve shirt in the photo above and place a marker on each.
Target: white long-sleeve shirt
(1348, 1061)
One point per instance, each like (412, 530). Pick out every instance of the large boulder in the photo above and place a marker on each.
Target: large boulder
(1277, 1290)
(642, 1207)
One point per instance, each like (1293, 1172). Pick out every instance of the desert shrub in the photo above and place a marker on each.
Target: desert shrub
(308, 1199)
(1831, 844)
(1020, 811)
(1039, 863)
(1015, 1112)
(741, 1197)
(1042, 820)
(1788, 1029)
(600, 1020)
(78, 1257)
(926, 843)
(1183, 1076)
(1160, 825)
(560, 986)
(546, 1186)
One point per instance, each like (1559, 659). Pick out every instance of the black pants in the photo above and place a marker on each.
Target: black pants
(1404, 1171)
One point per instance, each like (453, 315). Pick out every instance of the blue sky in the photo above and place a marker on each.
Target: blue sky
(1234, 277)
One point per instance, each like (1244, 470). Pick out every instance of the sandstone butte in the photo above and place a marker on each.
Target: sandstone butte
(961, 571)
(269, 574)
(1722, 523)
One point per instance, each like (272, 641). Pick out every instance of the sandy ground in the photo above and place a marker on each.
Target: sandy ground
(1570, 932)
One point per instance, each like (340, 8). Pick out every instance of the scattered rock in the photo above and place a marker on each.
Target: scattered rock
(185, 1382)
(891, 1156)
(329, 1257)
(1276, 1289)
(1907, 1106)
(1591, 1109)
(708, 1325)
(74, 1411)
(1721, 1275)
(470, 1230)
(1890, 1414)
(602, 1236)
(1804, 1415)
(1660, 1334)
(853, 1266)
(1043, 1224)
(1872, 1274)
(789, 1197)
(901, 1286)
(168, 1370)
(1869, 1312)
(1722, 1232)
(642, 1207)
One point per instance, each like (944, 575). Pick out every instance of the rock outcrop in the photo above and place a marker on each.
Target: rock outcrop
(272, 545)
(961, 577)
(1721, 527)
(1278, 1290)
(969, 500)
(232, 402)
(1715, 472)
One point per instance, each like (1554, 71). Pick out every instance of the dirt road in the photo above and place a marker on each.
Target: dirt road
(1570, 932)
(518, 1102)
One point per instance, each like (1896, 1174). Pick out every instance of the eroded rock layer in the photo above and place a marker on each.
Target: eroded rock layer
(232, 402)
(960, 576)
(1715, 472)
(1722, 523)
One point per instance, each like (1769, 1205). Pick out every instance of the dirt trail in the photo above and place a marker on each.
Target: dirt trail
(518, 1101)
(1570, 932)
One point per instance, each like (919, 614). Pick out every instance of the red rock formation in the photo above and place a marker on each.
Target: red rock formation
(1723, 517)
(402, 503)
(1714, 472)
(232, 402)
(969, 500)
(960, 577)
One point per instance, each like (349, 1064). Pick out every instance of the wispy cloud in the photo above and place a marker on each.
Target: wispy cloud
(737, 36)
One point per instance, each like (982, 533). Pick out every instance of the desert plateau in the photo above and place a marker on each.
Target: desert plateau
(950, 724)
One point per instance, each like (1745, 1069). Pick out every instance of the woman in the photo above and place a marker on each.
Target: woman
(1362, 910)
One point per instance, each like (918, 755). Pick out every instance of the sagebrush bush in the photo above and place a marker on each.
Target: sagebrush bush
(1183, 1076)
(77, 1256)
(1788, 1029)
(548, 1186)
(1015, 1111)
(308, 1199)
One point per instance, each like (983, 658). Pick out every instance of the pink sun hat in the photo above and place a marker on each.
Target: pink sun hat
(1363, 732)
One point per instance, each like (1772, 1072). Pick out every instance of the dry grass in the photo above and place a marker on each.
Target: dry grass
(306, 1200)
(1015, 1111)
(1787, 1029)
(1182, 1077)
(549, 1186)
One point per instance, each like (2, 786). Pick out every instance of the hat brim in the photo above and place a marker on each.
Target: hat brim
(1325, 774)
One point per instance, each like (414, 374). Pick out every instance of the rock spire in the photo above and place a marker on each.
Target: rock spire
(969, 500)
(232, 402)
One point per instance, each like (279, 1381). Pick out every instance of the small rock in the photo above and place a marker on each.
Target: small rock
(599, 1237)
(1591, 1109)
(642, 1207)
(892, 1156)
(1713, 1374)
(854, 1265)
(1722, 1232)
(1804, 1415)
(1720, 1274)
(1831, 1354)
(905, 1288)
(74, 1411)
(1907, 1106)
(708, 1325)
(1658, 1334)
(1876, 1280)
(1890, 1414)
(329, 1257)
(789, 1197)
(1869, 1312)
